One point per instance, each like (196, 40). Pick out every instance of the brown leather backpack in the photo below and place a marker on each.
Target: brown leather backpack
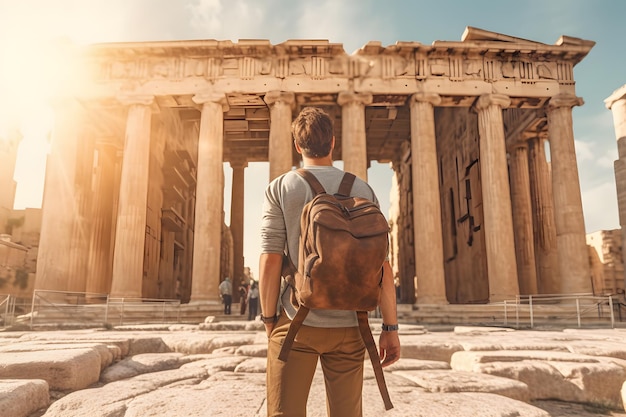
(343, 245)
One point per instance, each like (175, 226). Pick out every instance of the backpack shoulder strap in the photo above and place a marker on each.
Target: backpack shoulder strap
(368, 339)
(315, 185)
(346, 184)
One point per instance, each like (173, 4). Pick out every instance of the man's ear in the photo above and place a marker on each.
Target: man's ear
(332, 143)
(297, 147)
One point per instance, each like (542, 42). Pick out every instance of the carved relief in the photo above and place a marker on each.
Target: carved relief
(297, 67)
(161, 69)
(439, 67)
(508, 69)
(473, 68)
(123, 69)
(526, 71)
(194, 67)
(335, 66)
(265, 67)
(544, 72)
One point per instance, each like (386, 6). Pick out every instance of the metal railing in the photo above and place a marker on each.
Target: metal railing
(80, 309)
(7, 310)
(554, 309)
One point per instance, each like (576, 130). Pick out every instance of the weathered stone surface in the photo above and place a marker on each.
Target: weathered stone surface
(418, 347)
(141, 364)
(551, 374)
(206, 368)
(259, 351)
(21, 397)
(113, 399)
(63, 370)
(454, 381)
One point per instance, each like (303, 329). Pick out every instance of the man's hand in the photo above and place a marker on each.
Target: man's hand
(389, 344)
(268, 328)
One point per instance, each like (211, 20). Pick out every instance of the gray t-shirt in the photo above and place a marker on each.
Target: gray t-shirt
(285, 198)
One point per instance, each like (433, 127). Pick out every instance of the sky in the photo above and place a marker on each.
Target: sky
(26, 26)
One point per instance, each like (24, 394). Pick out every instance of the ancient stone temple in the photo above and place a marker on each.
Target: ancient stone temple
(133, 202)
(616, 102)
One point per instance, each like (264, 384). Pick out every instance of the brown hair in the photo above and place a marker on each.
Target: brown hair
(313, 132)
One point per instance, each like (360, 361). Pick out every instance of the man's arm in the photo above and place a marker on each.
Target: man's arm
(389, 342)
(270, 268)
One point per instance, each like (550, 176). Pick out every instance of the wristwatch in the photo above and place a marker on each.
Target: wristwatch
(390, 327)
(271, 319)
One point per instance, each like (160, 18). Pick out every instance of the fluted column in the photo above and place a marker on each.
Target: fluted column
(522, 218)
(498, 220)
(237, 222)
(280, 144)
(546, 254)
(205, 276)
(130, 235)
(79, 250)
(428, 238)
(353, 140)
(568, 210)
(616, 102)
(99, 263)
(59, 205)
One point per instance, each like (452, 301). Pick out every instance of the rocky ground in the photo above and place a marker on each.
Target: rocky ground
(218, 369)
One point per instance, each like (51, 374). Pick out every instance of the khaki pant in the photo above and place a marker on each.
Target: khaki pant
(341, 352)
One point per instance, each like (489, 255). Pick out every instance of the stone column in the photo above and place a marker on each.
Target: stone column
(498, 220)
(130, 235)
(59, 204)
(237, 223)
(353, 140)
(522, 218)
(568, 209)
(280, 145)
(617, 104)
(428, 238)
(79, 250)
(546, 254)
(99, 263)
(205, 275)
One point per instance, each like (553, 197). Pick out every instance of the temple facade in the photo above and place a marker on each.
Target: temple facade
(133, 202)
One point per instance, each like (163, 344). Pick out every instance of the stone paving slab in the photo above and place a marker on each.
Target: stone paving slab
(188, 371)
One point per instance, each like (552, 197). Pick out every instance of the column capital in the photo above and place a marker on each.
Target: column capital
(287, 97)
(619, 94)
(206, 97)
(346, 97)
(238, 163)
(487, 100)
(564, 100)
(424, 97)
(130, 99)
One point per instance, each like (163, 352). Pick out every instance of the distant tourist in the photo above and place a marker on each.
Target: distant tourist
(253, 301)
(226, 292)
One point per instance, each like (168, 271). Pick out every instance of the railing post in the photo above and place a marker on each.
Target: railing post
(505, 314)
(530, 311)
(612, 313)
(106, 311)
(122, 313)
(578, 310)
(517, 304)
(32, 309)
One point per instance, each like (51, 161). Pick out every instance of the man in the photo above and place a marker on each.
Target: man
(226, 292)
(332, 336)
